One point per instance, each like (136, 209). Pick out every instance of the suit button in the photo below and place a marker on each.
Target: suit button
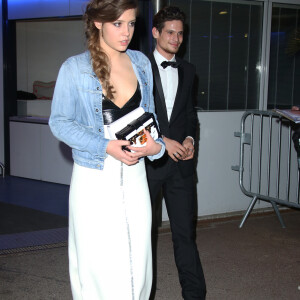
(146, 83)
(99, 130)
(145, 105)
(97, 109)
(98, 88)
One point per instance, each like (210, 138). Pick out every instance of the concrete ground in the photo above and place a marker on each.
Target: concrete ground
(259, 261)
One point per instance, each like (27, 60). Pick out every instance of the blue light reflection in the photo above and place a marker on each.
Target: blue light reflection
(29, 1)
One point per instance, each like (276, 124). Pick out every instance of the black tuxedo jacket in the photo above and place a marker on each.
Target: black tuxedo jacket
(183, 121)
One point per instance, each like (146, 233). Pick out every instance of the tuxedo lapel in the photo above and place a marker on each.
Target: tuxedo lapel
(159, 101)
(176, 106)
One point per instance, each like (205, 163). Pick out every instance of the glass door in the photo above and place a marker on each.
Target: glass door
(284, 60)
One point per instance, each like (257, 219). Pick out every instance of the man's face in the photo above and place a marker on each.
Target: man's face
(170, 38)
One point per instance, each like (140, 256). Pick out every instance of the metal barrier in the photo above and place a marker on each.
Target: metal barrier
(268, 166)
(3, 169)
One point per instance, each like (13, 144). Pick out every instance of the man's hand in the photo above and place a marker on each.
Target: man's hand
(189, 146)
(175, 150)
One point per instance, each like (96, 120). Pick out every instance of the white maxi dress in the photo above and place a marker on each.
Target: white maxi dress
(110, 232)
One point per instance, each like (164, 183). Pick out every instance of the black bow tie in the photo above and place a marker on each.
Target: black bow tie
(173, 64)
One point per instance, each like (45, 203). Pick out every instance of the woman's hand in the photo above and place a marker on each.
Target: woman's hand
(114, 148)
(151, 147)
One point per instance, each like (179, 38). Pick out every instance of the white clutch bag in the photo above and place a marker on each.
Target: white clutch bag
(131, 127)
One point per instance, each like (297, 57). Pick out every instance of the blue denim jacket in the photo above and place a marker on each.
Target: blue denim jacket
(76, 113)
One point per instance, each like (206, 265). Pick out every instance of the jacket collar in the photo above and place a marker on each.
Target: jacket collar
(159, 88)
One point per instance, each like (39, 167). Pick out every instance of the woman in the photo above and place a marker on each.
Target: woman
(109, 205)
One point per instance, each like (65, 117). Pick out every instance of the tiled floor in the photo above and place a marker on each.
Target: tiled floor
(261, 261)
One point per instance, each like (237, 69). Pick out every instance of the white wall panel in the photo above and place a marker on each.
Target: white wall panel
(35, 153)
(30, 9)
(25, 150)
(56, 158)
(42, 46)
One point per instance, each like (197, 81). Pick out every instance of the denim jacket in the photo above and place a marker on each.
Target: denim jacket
(76, 113)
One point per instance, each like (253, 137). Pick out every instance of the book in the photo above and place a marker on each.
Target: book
(291, 114)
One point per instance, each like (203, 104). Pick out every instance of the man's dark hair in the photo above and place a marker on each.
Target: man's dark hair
(168, 13)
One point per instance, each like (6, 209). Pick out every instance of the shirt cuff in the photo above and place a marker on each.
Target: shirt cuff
(192, 139)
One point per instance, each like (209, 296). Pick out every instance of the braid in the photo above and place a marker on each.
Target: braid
(103, 11)
(100, 60)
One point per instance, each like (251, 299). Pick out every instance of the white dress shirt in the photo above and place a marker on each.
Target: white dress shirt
(169, 81)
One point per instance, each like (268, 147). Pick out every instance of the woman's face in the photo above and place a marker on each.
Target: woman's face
(116, 36)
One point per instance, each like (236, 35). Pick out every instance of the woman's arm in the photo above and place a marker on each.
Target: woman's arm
(65, 106)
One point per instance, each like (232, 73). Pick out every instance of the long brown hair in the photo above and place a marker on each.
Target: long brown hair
(103, 11)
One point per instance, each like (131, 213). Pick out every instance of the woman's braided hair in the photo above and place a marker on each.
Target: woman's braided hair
(103, 11)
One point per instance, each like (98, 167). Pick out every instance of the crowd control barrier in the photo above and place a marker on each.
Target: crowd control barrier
(268, 163)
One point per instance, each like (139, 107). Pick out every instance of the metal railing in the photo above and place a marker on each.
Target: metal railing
(268, 167)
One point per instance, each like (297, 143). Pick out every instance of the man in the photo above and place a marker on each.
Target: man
(173, 174)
